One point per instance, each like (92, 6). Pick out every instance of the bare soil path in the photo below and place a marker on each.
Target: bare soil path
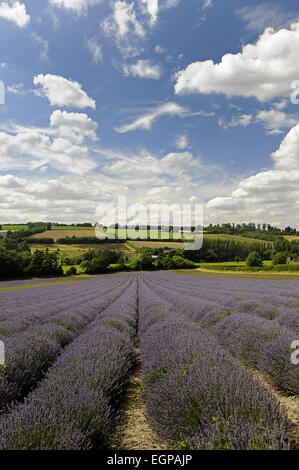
(134, 432)
(290, 402)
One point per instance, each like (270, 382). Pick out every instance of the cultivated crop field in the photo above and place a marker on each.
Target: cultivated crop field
(207, 362)
(56, 234)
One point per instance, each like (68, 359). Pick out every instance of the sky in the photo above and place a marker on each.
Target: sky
(161, 101)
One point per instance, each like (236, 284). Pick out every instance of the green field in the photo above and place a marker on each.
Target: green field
(239, 275)
(236, 238)
(76, 250)
(68, 227)
(142, 234)
(229, 264)
(14, 227)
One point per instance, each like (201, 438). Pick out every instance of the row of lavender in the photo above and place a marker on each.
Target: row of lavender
(22, 309)
(198, 397)
(263, 298)
(75, 405)
(31, 352)
(256, 340)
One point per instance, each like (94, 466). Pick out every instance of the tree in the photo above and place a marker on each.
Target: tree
(99, 261)
(279, 258)
(254, 259)
(44, 263)
(267, 255)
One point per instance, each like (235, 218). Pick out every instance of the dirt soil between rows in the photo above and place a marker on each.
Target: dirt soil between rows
(290, 402)
(133, 432)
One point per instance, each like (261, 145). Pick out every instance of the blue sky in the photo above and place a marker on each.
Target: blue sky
(170, 101)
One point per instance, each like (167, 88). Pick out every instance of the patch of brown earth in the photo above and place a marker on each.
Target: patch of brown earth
(290, 402)
(134, 432)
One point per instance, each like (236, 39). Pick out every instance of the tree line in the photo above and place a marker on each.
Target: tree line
(250, 228)
(17, 261)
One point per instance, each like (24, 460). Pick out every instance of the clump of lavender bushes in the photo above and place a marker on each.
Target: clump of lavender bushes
(261, 337)
(30, 353)
(198, 397)
(76, 404)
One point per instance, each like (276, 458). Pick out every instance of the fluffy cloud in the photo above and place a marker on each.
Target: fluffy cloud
(264, 70)
(274, 120)
(146, 121)
(59, 145)
(78, 6)
(272, 195)
(63, 199)
(143, 69)
(147, 166)
(74, 126)
(15, 12)
(62, 92)
(287, 156)
(144, 177)
(95, 49)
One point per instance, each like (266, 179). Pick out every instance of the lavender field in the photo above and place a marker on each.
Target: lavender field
(215, 362)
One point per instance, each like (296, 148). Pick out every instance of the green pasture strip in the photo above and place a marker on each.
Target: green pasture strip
(238, 274)
(75, 250)
(14, 227)
(68, 227)
(228, 264)
(236, 238)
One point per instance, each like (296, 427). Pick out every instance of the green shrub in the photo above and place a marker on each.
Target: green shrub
(279, 258)
(254, 259)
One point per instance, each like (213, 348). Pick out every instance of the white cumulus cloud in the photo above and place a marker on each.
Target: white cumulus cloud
(60, 145)
(271, 195)
(15, 12)
(62, 92)
(287, 156)
(264, 70)
(74, 126)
